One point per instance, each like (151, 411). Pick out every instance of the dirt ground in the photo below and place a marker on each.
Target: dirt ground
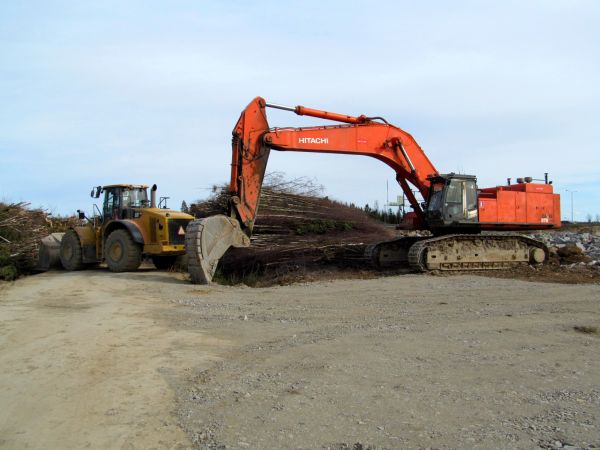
(146, 360)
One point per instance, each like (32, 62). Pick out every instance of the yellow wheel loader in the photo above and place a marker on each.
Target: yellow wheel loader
(129, 227)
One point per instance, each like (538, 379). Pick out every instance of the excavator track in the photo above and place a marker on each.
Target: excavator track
(391, 253)
(460, 252)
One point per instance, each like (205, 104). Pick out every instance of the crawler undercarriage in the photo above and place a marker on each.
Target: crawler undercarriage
(458, 252)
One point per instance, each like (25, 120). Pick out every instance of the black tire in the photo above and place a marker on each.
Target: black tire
(164, 262)
(70, 251)
(122, 254)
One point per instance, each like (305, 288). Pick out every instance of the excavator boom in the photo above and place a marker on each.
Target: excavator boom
(362, 135)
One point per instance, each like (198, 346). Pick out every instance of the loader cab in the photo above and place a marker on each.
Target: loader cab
(121, 201)
(452, 202)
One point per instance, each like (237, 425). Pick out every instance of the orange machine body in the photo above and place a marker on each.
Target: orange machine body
(518, 206)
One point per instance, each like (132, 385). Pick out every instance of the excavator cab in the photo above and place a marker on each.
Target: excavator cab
(452, 202)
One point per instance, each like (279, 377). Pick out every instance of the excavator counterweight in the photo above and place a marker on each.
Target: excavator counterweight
(455, 210)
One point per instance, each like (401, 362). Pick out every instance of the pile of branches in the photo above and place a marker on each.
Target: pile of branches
(21, 229)
(296, 229)
(274, 183)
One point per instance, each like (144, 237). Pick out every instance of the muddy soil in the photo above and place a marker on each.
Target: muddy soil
(100, 360)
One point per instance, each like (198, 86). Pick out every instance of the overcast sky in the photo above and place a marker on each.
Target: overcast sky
(101, 92)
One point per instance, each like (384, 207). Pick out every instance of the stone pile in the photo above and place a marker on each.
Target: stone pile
(569, 243)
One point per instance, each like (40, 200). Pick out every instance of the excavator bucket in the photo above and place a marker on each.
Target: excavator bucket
(207, 240)
(49, 252)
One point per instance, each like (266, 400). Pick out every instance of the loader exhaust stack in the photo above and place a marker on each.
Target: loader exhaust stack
(153, 196)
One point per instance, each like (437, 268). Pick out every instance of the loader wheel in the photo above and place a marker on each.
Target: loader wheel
(164, 262)
(121, 252)
(70, 251)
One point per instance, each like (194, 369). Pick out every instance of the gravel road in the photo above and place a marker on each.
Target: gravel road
(146, 360)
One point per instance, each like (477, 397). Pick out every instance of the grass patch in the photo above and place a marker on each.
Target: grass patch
(249, 278)
(322, 226)
(8, 273)
(586, 329)
(8, 270)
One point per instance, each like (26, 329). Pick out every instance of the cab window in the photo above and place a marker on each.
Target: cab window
(134, 198)
(111, 204)
(436, 198)
(471, 189)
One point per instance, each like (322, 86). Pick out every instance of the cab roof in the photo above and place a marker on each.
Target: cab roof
(442, 178)
(127, 186)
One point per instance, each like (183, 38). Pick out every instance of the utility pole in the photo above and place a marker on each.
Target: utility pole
(571, 191)
(387, 193)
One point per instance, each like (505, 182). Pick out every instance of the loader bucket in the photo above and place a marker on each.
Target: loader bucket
(207, 240)
(49, 252)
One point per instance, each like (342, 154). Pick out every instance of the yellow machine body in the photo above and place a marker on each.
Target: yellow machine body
(158, 231)
(154, 228)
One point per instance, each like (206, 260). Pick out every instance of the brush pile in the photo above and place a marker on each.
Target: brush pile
(297, 229)
(21, 229)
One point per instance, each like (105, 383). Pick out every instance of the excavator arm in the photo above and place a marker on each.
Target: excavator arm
(253, 139)
(366, 136)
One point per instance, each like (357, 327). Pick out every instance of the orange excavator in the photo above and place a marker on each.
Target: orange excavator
(461, 217)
